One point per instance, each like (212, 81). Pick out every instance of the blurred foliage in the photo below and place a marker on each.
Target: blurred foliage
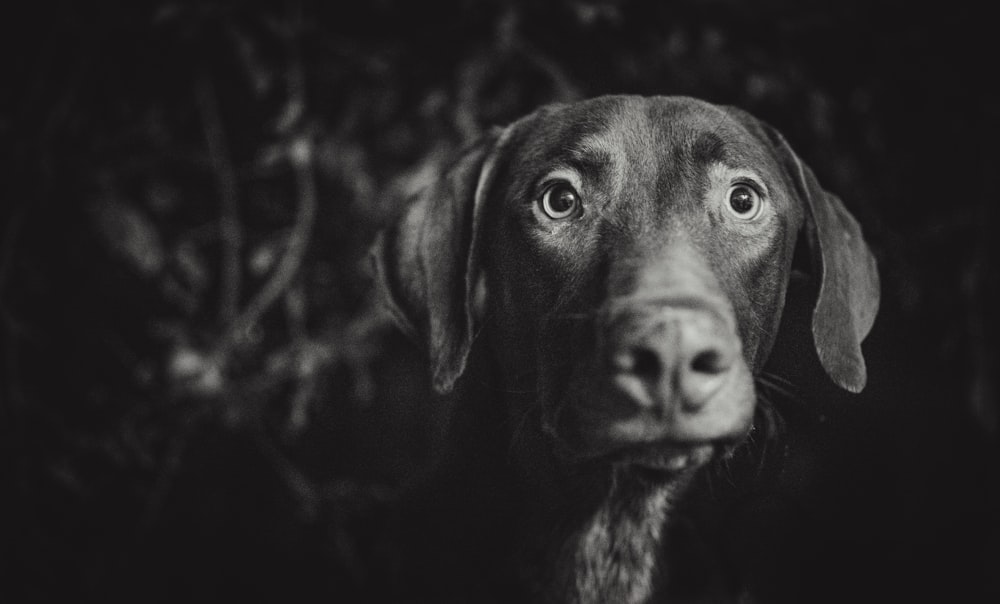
(188, 344)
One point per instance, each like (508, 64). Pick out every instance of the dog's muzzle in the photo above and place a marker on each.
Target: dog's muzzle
(674, 376)
(678, 365)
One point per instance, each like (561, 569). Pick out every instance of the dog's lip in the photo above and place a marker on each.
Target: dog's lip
(666, 459)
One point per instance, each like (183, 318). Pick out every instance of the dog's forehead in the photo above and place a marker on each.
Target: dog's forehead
(630, 129)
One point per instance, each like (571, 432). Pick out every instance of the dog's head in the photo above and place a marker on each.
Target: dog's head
(628, 259)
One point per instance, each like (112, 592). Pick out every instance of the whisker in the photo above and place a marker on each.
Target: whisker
(779, 378)
(772, 426)
(770, 388)
(776, 384)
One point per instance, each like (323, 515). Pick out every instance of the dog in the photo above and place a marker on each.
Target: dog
(596, 287)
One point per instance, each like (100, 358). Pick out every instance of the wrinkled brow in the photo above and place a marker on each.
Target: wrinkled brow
(597, 157)
(590, 154)
(729, 150)
(587, 160)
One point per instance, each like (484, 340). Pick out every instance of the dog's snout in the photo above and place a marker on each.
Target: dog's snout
(677, 373)
(683, 357)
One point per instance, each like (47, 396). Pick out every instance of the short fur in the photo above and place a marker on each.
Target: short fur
(612, 353)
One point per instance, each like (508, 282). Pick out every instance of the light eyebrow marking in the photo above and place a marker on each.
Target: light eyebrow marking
(624, 146)
(569, 174)
(720, 172)
(604, 151)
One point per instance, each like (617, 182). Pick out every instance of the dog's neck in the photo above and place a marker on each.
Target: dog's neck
(612, 554)
(579, 536)
(590, 537)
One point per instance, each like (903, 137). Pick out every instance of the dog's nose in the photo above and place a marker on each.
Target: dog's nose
(684, 358)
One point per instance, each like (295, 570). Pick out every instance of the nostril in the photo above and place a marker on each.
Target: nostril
(703, 378)
(639, 361)
(708, 361)
(646, 363)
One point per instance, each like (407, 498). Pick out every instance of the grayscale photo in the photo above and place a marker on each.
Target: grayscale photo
(498, 301)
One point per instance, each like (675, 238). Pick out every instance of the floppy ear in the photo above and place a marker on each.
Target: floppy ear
(426, 264)
(849, 293)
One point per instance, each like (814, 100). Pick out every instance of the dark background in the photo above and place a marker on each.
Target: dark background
(198, 400)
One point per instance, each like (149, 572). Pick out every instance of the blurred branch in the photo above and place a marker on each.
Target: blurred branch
(301, 158)
(299, 406)
(168, 467)
(298, 483)
(300, 155)
(230, 229)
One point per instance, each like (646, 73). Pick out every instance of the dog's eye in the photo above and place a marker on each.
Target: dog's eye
(744, 202)
(560, 201)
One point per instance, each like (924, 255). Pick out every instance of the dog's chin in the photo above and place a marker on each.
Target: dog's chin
(657, 464)
(583, 440)
(646, 464)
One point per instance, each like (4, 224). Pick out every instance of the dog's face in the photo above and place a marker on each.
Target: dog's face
(636, 270)
(628, 258)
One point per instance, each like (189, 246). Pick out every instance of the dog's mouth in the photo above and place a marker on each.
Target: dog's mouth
(663, 463)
